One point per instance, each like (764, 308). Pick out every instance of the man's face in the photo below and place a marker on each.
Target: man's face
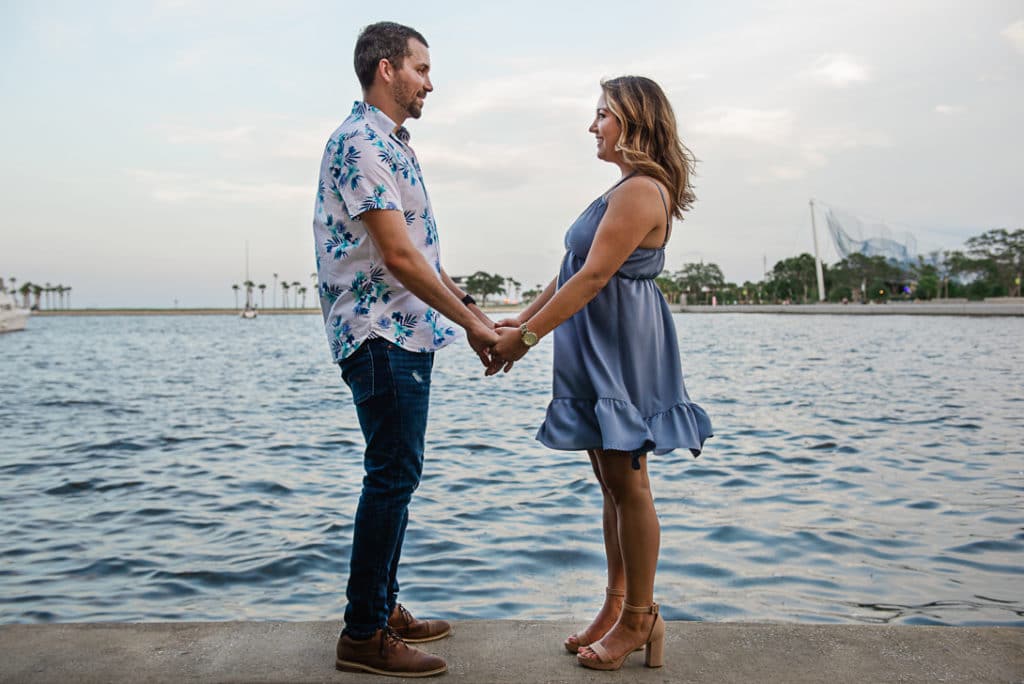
(411, 83)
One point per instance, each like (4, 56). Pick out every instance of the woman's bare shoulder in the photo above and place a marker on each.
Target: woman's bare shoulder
(639, 193)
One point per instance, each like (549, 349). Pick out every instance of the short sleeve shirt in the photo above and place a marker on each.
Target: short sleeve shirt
(368, 164)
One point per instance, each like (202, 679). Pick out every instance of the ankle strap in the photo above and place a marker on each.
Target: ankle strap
(651, 609)
(614, 592)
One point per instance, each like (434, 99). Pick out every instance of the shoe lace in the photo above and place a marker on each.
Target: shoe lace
(389, 637)
(406, 615)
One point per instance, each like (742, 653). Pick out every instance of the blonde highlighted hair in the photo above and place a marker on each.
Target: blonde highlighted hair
(650, 140)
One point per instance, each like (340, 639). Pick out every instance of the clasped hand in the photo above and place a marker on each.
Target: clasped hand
(499, 350)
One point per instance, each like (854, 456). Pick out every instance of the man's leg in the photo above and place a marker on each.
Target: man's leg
(391, 389)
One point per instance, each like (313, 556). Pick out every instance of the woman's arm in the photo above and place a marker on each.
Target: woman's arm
(634, 211)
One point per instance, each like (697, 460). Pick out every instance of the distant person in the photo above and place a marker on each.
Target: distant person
(387, 303)
(618, 384)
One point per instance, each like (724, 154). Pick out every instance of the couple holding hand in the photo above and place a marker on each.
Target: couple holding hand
(388, 305)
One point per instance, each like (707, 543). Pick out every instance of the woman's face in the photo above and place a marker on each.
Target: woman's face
(606, 129)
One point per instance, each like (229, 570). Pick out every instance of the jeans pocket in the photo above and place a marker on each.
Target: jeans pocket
(357, 372)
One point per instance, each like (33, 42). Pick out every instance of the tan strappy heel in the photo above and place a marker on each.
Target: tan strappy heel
(573, 643)
(655, 642)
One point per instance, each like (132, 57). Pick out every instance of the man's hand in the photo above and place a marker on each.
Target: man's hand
(481, 340)
(508, 350)
(508, 323)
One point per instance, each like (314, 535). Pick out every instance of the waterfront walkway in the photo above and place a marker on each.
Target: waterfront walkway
(506, 652)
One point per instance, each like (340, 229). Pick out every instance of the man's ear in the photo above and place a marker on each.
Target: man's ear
(386, 70)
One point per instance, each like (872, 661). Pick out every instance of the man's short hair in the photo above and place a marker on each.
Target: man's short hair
(383, 40)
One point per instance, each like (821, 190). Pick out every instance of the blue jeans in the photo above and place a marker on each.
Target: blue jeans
(391, 390)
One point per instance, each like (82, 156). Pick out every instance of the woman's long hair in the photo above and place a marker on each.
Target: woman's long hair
(650, 141)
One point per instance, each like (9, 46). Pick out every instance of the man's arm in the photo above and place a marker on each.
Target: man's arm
(388, 231)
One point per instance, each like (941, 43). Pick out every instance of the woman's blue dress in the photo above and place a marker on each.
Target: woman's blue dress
(618, 380)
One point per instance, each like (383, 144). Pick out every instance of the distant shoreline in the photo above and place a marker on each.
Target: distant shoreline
(1008, 306)
(1004, 307)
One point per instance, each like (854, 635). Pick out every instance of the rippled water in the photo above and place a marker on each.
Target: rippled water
(865, 469)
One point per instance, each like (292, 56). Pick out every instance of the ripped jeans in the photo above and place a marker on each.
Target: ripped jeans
(391, 390)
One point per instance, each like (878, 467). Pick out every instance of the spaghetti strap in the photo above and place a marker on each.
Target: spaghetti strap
(620, 182)
(668, 216)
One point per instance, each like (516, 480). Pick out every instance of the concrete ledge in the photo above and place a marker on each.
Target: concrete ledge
(498, 652)
(939, 308)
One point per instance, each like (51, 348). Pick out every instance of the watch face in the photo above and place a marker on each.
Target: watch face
(529, 338)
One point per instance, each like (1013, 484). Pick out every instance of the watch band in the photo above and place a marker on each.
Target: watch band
(468, 299)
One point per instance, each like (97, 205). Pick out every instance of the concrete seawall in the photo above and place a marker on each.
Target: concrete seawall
(940, 308)
(521, 652)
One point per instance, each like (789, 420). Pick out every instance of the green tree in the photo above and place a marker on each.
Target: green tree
(484, 284)
(927, 276)
(236, 288)
(26, 291)
(1004, 250)
(700, 278)
(793, 278)
(669, 287)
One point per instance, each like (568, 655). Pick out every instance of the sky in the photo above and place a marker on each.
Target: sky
(146, 144)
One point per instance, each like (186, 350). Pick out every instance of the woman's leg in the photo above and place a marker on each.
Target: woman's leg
(612, 607)
(610, 528)
(639, 539)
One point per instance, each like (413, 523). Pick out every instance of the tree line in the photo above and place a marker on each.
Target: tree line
(37, 297)
(295, 289)
(989, 265)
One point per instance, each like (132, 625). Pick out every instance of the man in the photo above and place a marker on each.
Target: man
(387, 304)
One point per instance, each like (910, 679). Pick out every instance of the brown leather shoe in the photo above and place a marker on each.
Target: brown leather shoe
(386, 654)
(417, 631)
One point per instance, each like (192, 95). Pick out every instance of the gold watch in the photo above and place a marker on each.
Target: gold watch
(528, 337)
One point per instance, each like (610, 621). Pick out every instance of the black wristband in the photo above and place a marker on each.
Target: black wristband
(468, 299)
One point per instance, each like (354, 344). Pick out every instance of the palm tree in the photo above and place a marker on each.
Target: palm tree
(249, 285)
(47, 289)
(263, 295)
(275, 291)
(25, 290)
(302, 291)
(236, 288)
(13, 281)
(37, 295)
(68, 290)
(284, 293)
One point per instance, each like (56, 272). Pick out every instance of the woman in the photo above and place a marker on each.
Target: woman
(618, 384)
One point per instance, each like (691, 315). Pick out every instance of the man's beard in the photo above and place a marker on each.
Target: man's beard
(407, 100)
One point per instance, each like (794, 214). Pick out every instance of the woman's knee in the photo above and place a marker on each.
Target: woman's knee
(620, 481)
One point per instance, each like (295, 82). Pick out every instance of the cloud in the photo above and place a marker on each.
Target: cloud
(771, 126)
(949, 110)
(840, 70)
(487, 167)
(190, 135)
(174, 188)
(269, 137)
(1015, 34)
(560, 91)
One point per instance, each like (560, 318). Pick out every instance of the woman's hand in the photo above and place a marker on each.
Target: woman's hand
(508, 323)
(508, 350)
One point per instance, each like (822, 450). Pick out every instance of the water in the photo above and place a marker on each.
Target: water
(865, 469)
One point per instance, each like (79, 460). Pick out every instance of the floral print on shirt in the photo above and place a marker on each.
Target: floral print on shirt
(368, 165)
